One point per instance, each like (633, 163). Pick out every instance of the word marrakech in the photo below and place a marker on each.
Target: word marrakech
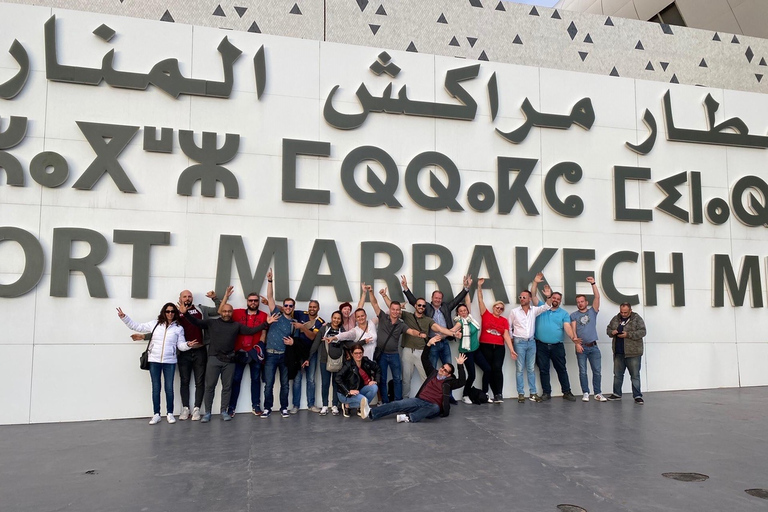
(232, 249)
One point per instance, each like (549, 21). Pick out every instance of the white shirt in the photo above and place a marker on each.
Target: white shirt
(522, 324)
(367, 338)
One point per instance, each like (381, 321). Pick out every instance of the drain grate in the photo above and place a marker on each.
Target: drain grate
(686, 477)
(758, 493)
(571, 508)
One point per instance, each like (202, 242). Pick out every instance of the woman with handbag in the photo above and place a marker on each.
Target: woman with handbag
(167, 337)
(330, 360)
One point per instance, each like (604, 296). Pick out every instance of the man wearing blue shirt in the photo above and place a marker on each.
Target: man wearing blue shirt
(278, 337)
(549, 347)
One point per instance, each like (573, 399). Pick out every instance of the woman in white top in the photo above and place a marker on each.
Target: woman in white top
(167, 337)
(363, 333)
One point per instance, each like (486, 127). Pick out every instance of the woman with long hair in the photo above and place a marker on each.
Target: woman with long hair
(323, 344)
(357, 381)
(167, 337)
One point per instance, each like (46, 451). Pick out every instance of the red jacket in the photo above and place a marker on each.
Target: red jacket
(241, 316)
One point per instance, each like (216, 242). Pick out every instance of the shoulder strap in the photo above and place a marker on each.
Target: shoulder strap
(151, 335)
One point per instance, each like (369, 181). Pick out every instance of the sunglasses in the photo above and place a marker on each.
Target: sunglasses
(169, 311)
(253, 300)
(287, 305)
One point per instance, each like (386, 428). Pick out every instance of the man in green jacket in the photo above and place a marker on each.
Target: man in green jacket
(627, 330)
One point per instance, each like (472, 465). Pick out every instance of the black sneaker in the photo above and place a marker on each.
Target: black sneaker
(569, 396)
(545, 397)
(498, 399)
(639, 400)
(613, 397)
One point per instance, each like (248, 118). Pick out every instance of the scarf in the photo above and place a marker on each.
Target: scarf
(465, 336)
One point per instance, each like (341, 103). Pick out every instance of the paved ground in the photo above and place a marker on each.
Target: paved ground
(518, 457)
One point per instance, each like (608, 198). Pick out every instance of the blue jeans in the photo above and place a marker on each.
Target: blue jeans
(167, 371)
(621, 363)
(328, 380)
(237, 378)
(391, 362)
(556, 353)
(441, 350)
(311, 373)
(591, 354)
(526, 359)
(416, 408)
(272, 363)
(369, 392)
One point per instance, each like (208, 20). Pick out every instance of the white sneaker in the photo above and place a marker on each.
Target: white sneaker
(466, 400)
(403, 418)
(600, 398)
(335, 410)
(171, 419)
(364, 409)
(155, 419)
(196, 414)
(585, 398)
(324, 411)
(184, 414)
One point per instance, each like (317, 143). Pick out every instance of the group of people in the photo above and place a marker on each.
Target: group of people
(355, 354)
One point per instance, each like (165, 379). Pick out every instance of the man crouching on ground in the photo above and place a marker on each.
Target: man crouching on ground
(433, 398)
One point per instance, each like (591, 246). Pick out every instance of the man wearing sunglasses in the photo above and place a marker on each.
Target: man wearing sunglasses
(414, 340)
(279, 336)
(432, 399)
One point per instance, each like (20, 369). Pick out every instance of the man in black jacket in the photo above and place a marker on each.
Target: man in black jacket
(433, 398)
(442, 313)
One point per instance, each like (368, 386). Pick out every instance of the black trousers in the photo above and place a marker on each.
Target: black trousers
(192, 361)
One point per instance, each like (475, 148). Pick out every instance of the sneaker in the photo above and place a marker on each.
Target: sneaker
(266, 413)
(521, 398)
(226, 416)
(206, 418)
(466, 400)
(196, 414)
(256, 411)
(498, 399)
(315, 408)
(345, 410)
(613, 397)
(569, 396)
(335, 410)
(284, 412)
(545, 397)
(324, 411)
(490, 399)
(231, 413)
(365, 409)
(170, 418)
(585, 398)
(403, 418)
(184, 413)
(534, 398)
(155, 419)
(639, 400)
(293, 410)
(600, 398)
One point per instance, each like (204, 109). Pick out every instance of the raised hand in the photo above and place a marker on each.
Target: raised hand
(403, 282)
(182, 307)
(591, 280)
(211, 294)
(539, 277)
(273, 318)
(383, 291)
(269, 275)
(461, 358)
(467, 281)
(228, 293)
(120, 313)
(480, 282)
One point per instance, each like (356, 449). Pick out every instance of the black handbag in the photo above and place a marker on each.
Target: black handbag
(144, 357)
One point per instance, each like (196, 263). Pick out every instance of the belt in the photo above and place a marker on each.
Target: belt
(273, 351)
(590, 344)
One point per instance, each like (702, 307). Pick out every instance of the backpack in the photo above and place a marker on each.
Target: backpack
(477, 396)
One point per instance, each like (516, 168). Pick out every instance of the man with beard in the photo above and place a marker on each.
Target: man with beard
(249, 351)
(194, 360)
(549, 347)
(627, 330)
(306, 325)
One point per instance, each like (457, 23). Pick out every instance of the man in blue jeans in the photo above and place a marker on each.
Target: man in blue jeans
(278, 337)
(627, 330)
(432, 399)
(584, 324)
(389, 332)
(522, 326)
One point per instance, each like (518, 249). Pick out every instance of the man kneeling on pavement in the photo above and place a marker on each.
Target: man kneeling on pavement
(433, 398)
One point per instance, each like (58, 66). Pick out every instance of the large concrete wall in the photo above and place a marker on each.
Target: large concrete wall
(64, 355)
(489, 30)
